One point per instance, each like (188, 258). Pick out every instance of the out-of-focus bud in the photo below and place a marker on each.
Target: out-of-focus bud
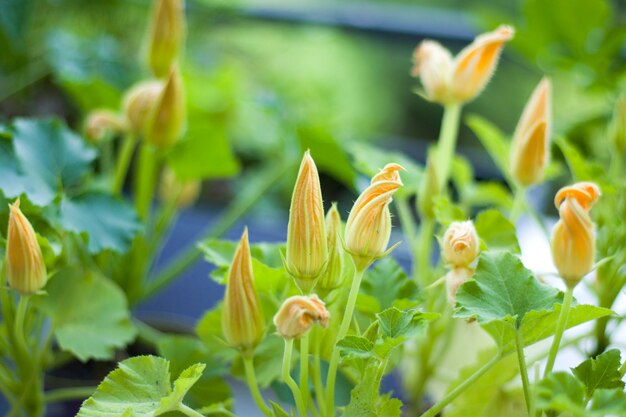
(368, 228)
(298, 314)
(25, 267)
(167, 34)
(461, 79)
(307, 247)
(617, 127)
(333, 275)
(166, 121)
(460, 244)
(432, 63)
(102, 123)
(428, 190)
(242, 318)
(139, 102)
(454, 279)
(574, 235)
(185, 194)
(530, 150)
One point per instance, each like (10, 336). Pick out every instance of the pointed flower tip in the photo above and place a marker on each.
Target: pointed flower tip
(391, 173)
(585, 193)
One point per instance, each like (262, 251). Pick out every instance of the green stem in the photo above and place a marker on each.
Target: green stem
(458, 390)
(427, 230)
(68, 394)
(408, 227)
(560, 328)
(519, 345)
(20, 331)
(622, 369)
(254, 387)
(123, 162)
(188, 411)
(304, 369)
(145, 180)
(447, 142)
(317, 377)
(297, 395)
(518, 203)
(233, 213)
(343, 330)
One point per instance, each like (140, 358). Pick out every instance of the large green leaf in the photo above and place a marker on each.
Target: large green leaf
(365, 400)
(106, 222)
(600, 372)
(387, 282)
(496, 231)
(43, 158)
(89, 313)
(140, 387)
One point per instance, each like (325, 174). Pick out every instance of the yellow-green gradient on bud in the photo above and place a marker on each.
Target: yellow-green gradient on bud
(166, 35)
(307, 248)
(460, 245)
(24, 265)
(368, 228)
(432, 63)
(167, 118)
(139, 101)
(530, 150)
(333, 275)
(574, 235)
(242, 317)
(298, 314)
(103, 123)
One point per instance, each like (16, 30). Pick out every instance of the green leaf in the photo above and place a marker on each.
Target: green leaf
(446, 211)
(387, 282)
(600, 372)
(43, 158)
(140, 387)
(107, 222)
(503, 291)
(560, 391)
(581, 167)
(356, 346)
(395, 323)
(486, 194)
(496, 231)
(89, 313)
(365, 400)
(608, 402)
(278, 410)
(493, 139)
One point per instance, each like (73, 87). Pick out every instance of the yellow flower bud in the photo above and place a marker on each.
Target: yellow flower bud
(574, 235)
(433, 64)
(530, 150)
(428, 190)
(460, 244)
(25, 267)
(103, 123)
(333, 275)
(139, 102)
(166, 36)
(166, 121)
(242, 317)
(185, 193)
(617, 127)
(368, 228)
(307, 248)
(298, 314)
(454, 279)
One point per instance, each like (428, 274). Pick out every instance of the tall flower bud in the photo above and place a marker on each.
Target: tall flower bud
(242, 318)
(166, 121)
(139, 102)
(307, 247)
(298, 314)
(102, 123)
(460, 244)
(574, 235)
(428, 189)
(333, 275)
(166, 36)
(432, 63)
(530, 150)
(25, 267)
(185, 194)
(617, 126)
(368, 228)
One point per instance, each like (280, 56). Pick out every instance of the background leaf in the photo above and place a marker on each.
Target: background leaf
(496, 231)
(387, 282)
(600, 372)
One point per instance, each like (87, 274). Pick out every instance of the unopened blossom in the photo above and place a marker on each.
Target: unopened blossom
(139, 102)
(166, 36)
(333, 275)
(181, 193)
(454, 279)
(460, 244)
(102, 123)
(166, 121)
(298, 314)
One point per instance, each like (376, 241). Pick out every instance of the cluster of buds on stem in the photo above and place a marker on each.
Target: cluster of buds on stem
(298, 314)
(457, 80)
(574, 235)
(368, 228)
(530, 150)
(25, 266)
(460, 248)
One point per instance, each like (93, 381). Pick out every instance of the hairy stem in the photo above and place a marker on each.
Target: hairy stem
(523, 370)
(297, 395)
(123, 162)
(447, 142)
(560, 328)
(304, 368)
(254, 387)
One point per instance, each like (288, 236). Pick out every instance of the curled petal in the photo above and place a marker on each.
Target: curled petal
(298, 314)
(460, 244)
(585, 194)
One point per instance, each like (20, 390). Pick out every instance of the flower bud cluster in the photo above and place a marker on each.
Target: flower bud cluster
(460, 249)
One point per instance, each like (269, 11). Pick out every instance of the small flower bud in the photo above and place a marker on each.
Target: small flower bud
(307, 247)
(617, 127)
(333, 275)
(574, 235)
(428, 190)
(167, 34)
(166, 121)
(476, 63)
(25, 267)
(368, 228)
(298, 314)
(242, 317)
(102, 123)
(185, 193)
(433, 64)
(139, 102)
(530, 150)
(454, 279)
(460, 244)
